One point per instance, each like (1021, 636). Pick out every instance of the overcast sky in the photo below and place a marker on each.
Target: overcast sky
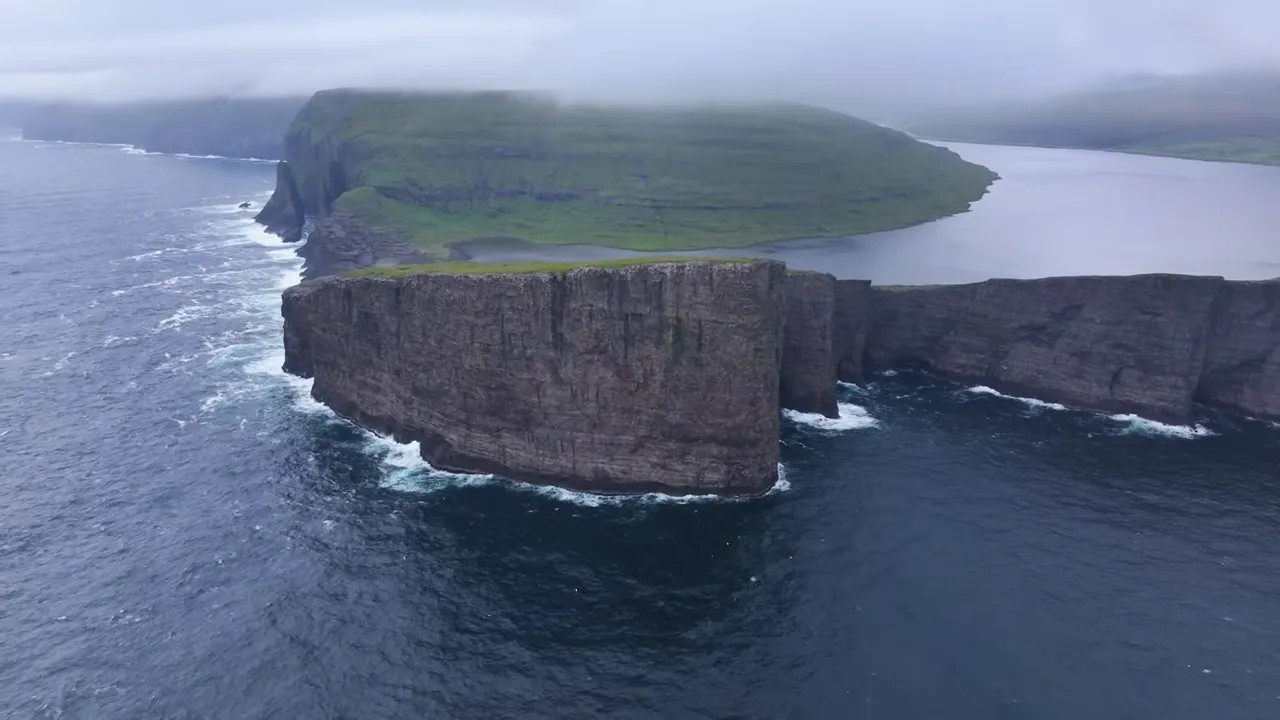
(844, 53)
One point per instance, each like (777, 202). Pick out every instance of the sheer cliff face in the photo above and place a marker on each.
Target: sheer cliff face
(284, 213)
(649, 378)
(808, 379)
(1242, 366)
(1146, 344)
(850, 319)
(1128, 344)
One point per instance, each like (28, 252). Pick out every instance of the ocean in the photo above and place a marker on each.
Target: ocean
(185, 534)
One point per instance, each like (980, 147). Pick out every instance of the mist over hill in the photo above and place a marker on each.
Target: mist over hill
(1224, 116)
(239, 128)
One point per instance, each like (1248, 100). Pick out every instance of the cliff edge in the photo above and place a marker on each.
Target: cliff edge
(650, 377)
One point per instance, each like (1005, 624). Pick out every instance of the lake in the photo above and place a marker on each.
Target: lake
(1053, 212)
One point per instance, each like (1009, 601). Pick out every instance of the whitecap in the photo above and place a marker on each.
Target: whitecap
(1138, 425)
(114, 340)
(155, 254)
(407, 471)
(852, 417)
(853, 387)
(783, 484)
(61, 363)
(272, 364)
(183, 316)
(189, 156)
(1032, 402)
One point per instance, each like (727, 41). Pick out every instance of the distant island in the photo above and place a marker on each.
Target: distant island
(437, 170)
(237, 128)
(1232, 117)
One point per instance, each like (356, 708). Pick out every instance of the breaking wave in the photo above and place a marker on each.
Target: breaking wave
(1136, 425)
(407, 472)
(1030, 402)
(129, 149)
(852, 417)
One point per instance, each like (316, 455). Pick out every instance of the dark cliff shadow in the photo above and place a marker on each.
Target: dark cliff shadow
(1126, 460)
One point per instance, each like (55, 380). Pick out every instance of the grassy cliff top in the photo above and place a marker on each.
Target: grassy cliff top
(445, 168)
(475, 268)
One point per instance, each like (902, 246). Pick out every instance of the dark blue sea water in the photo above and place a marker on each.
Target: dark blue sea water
(184, 535)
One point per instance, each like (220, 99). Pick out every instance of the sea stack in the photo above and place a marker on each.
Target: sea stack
(646, 377)
(808, 377)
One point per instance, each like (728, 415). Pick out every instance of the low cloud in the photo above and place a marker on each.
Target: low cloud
(844, 53)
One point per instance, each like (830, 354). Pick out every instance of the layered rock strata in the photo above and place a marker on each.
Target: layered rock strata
(284, 214)
(660, 377)
(1146, 344)
(808, 376)
(338, 244)
(1242, 365)
(850, 321)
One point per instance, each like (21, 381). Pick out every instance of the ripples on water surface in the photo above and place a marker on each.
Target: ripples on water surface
(184, 534)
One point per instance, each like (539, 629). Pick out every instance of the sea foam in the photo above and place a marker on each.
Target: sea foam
(1137, 425)
(852, 417)
(1031, 402)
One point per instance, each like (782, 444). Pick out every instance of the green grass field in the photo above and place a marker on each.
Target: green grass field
(1256, 151)
(473, 268)
(446, 168)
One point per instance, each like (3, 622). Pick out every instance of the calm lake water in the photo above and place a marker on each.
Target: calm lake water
(183, 534)
(1054, 212)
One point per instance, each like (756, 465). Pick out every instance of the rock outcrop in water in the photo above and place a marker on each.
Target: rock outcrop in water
(808, 376)
(338, 244)
(851, 317)
(657, 377)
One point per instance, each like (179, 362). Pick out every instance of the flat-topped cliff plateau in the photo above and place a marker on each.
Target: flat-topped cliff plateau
(637, 376)
(648, 377)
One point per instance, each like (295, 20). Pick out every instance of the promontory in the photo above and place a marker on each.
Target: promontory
(668, 373)
(408, 176)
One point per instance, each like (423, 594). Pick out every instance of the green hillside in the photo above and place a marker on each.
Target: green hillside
(445, 168)
(1230, 117)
